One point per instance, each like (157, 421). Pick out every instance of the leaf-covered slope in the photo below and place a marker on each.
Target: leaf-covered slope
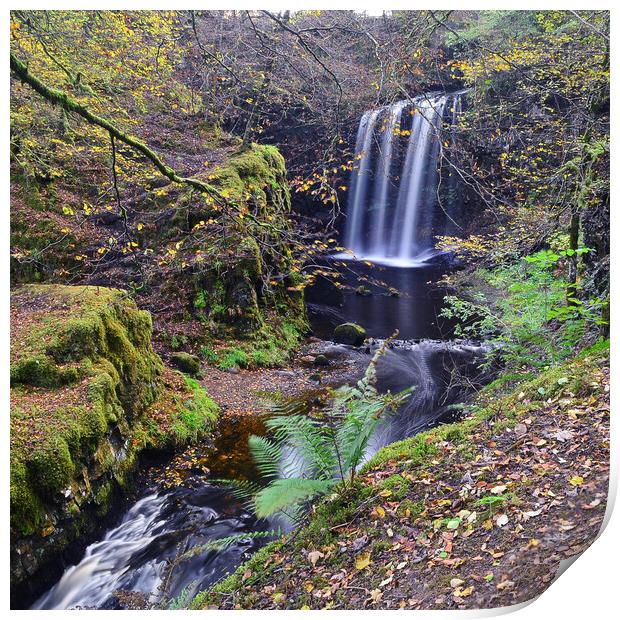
(470, 515)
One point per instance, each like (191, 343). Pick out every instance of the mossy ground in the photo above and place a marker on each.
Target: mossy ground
(418, 530)
(182, 415)
(269, 347)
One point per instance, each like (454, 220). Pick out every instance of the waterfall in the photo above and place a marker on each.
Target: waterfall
(396, 224)
(357, 191)
(383, 178)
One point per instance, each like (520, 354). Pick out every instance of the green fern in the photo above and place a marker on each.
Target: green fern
(221, 544)
(184, 599)
(286, 492)
(331, 450)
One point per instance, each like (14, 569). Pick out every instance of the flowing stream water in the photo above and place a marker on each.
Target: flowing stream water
(155, 550)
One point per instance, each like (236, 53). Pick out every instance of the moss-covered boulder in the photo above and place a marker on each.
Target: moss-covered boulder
(81, 364)
(88, 392)
(350, 333)
(186, 362)
(237, 286)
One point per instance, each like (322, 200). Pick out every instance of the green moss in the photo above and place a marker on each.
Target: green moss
(192, 418)
(37, 370)
(410, 509)
(95, 344)
(50, 467)
(230, 358)
(231, 297)
(350, 333)
(103, 498)
(27, 511)
(397, 485)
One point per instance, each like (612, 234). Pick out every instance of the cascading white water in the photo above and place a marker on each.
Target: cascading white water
(383, 178)
(396, 224)
(359, 185)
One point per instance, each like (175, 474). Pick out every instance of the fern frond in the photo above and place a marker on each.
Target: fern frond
(287, 492)
(221, 544)
(185, 597)
(267, 455)
(312, 440)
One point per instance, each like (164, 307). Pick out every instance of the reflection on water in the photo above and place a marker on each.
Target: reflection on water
(415, 311)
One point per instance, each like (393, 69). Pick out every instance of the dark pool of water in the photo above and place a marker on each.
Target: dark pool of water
(414, 312)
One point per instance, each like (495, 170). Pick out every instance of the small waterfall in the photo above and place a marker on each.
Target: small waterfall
(397, 223)
(383, 176)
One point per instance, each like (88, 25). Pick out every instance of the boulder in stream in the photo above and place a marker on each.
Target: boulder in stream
(350, 333)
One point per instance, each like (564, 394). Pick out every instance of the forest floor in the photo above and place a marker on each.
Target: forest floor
(244, 391)
(477, 514)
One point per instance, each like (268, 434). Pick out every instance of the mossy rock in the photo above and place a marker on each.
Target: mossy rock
(350, 333)
(186, 362)
(321, 360)
(51, 467)
(82, 364)
(230, 296)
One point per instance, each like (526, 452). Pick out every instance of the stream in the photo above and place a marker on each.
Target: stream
(154, 554)
(140, 559)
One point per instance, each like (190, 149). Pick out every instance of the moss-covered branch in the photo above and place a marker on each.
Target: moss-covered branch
(62, 99)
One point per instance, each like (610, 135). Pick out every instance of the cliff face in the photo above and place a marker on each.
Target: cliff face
(86, 390)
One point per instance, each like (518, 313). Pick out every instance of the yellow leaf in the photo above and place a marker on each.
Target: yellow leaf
(576, 481)
(140, 226)
(380, 511)
(362, 561)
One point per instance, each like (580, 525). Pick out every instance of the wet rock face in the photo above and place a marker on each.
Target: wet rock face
(350, 333)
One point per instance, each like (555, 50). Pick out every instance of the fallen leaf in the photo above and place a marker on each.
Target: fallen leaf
(386, 581)
(453, 524)
(376, 595)
(501, 520)
(463, 593)
(362, 561)
(315, 556)
(505, 584)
